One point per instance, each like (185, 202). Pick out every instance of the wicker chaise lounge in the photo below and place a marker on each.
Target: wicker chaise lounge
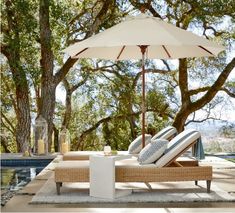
(166, 169)
(167, 133)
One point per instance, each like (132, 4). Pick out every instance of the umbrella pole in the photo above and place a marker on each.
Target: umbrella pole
(143, 50)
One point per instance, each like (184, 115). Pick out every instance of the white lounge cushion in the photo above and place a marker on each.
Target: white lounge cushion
(165, 133)
(177, 145)
(136, 145)
(153, 151)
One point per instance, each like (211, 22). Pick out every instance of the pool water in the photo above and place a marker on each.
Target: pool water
(16, 173)
(15, 178)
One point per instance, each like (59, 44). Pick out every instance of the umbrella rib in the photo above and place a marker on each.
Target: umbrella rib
(121, 52)
(205, 49)
(168, 54)
(81, 51)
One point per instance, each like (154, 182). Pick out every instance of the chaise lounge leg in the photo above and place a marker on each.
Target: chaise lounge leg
(196, 182)
(148, 185)
(58, 185)
(208, 184)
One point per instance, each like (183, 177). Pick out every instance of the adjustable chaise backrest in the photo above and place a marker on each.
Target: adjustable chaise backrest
(178, 145)
(166, 133)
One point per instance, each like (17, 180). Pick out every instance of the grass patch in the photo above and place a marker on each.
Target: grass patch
(230, 159)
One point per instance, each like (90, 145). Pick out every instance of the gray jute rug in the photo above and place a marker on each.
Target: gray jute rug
(162, 192)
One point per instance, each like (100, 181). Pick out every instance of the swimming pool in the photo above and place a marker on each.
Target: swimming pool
(16, 173)
(16, 178)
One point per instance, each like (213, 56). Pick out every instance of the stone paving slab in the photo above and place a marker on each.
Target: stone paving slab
(45, 175)
(224, 173)
(32, 187)
(14, 156)
(227, 185)
(224, 178)
(217, 163)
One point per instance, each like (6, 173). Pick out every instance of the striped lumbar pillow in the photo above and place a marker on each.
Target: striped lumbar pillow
(166, 133)
(153, 151)
(136, 145)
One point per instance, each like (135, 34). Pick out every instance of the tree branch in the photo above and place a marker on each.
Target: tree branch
(215, 32)
(13, 100)
(4, 144)
(146, 6)
(4, 50)
(198, 90)
(208, 116)
(228, 92)
(59, 76)
(210, 94)
(149, 71)
(107, 119)
(202, 120)
(80, 83)
(98, 19)
(93, 29)
(12, 128)
(166, 64)
(204, 89)
(66, 84)
(183, 81)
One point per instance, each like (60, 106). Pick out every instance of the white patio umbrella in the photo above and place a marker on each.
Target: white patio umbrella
(136, 36)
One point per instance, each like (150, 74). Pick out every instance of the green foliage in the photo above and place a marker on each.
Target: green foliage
(228, 130)
(214, 147)
(231, 159)
(8, 117)
(117, 134)
(7, 177)
(61, 13)
(113, 92)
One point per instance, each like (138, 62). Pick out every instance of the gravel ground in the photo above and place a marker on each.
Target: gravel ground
(6, 196)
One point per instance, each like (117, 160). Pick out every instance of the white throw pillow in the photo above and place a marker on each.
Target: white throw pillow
(136, 146)
(153, 151)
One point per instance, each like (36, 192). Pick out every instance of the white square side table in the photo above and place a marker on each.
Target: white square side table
(102, 176)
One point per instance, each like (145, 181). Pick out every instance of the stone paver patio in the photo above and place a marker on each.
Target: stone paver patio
(223, 177)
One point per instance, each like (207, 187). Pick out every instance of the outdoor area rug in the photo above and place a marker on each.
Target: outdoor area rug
(161, 192)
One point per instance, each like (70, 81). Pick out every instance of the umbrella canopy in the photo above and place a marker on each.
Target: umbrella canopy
(164, 40)
(143, 35)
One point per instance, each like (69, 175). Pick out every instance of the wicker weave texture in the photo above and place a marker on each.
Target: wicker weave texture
(72, 175)
(163, 174)
(189, 172)
(75, 157)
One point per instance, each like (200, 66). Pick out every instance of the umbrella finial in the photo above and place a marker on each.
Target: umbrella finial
(143, 9)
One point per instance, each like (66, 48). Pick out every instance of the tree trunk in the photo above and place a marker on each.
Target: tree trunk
(12, 53)
(131, 121)
(48, 86)
(56, 139)
(180, 119)
(23, 118)
(50, 81)
(68, 110)
(188, 107)
(48, 106)
(22, 106)
(22, 103)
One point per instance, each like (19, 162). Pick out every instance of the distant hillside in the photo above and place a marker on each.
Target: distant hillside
(213, 139)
